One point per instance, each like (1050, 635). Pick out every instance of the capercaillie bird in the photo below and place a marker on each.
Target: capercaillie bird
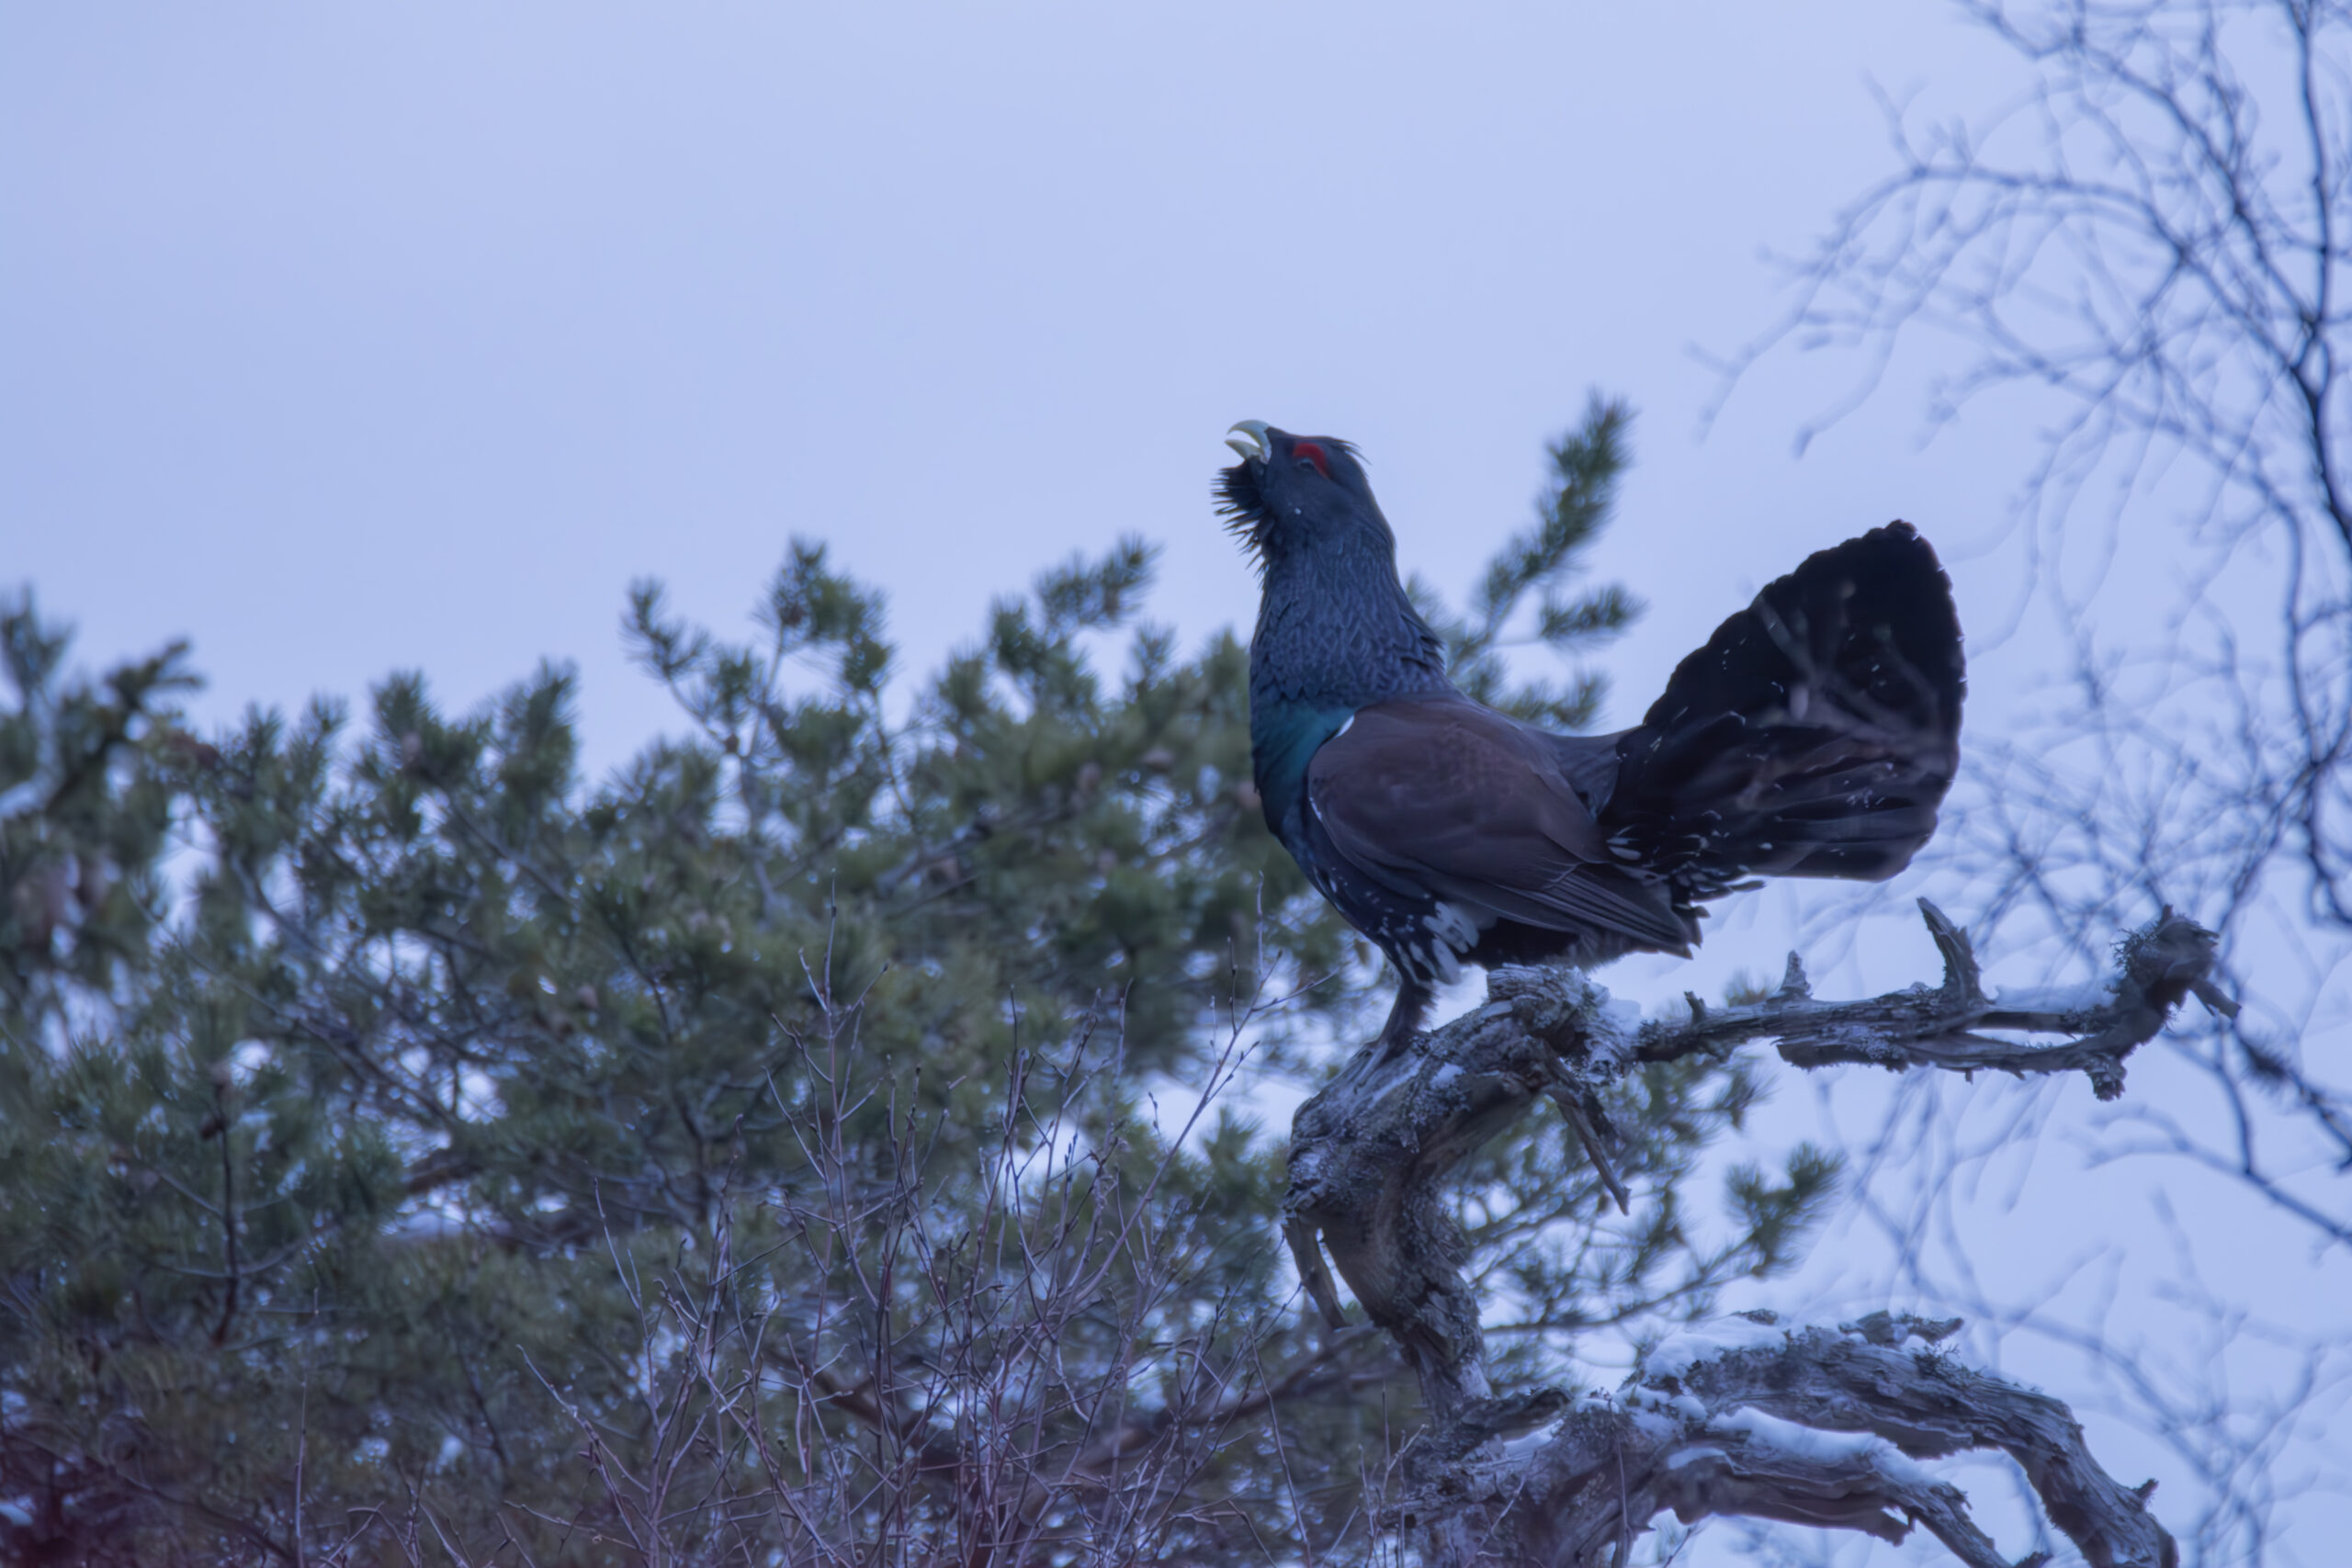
(1814, 735)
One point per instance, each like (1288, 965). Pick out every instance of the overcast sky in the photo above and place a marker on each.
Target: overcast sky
(343, 339)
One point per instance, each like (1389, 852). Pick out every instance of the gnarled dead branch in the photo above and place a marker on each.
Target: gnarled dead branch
(1804, 1424)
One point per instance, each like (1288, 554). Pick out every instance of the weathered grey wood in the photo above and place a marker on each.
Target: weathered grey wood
(2158, 967)
(1819, 1426)
(1746, 1429)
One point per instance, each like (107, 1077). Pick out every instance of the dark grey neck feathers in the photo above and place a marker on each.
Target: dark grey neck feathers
(1335, 629)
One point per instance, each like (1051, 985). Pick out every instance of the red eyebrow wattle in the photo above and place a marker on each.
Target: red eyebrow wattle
(1312, 453)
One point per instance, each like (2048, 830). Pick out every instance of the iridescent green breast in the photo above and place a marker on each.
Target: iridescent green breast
(1283, 738)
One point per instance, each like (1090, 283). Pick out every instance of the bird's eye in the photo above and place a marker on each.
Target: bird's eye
(1308, 452)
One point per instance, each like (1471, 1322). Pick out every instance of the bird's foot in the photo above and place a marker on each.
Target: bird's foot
(1396, 1036)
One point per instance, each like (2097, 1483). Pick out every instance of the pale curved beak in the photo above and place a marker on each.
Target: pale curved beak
(1249, 438)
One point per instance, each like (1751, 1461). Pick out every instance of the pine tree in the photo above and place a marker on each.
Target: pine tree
(809, 1137)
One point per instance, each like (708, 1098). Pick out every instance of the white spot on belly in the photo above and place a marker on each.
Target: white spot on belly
(1457, 932)
(1454, 925)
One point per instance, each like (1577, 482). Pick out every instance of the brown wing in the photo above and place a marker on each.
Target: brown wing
(1439, 797)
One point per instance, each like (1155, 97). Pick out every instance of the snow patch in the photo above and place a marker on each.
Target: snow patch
(1815, 1446)
(1526, 1443)
(1723, 1337)
(2088, 996)
(1656, 1428)
(1692, 1456)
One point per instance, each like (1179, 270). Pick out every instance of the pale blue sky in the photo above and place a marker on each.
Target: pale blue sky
(344, 339)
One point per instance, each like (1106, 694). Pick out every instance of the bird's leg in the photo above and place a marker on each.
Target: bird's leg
(1404, 1020)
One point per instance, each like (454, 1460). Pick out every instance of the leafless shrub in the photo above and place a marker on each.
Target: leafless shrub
(2145, 252)
(844, 1372)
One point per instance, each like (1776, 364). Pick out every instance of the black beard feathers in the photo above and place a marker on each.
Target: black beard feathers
(1244, 510)
(1242, 503)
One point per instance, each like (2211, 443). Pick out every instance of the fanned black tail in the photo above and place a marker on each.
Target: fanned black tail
(1813, 735)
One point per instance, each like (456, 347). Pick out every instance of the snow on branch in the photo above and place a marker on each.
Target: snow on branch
(1802, 1424)
(1813, 1425)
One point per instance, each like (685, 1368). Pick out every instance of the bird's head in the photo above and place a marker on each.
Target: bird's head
(1291, 493)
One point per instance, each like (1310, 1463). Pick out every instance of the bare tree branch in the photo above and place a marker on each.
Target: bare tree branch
(1370, 1157)
(1810, 1426)
(2159, 966)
